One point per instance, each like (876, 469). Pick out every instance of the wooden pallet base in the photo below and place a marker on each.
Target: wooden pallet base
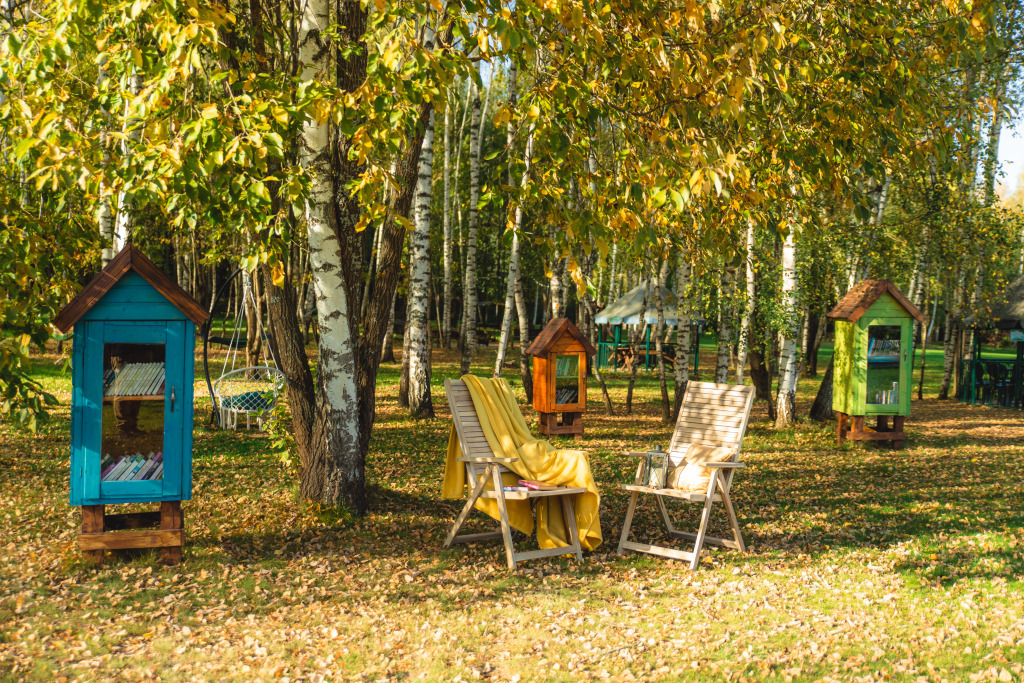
(572, 423)
(101, 531)
(852, 427)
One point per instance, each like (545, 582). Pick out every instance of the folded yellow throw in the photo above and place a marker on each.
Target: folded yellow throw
(509, 436)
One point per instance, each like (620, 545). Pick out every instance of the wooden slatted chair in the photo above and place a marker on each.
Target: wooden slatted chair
(483, 465)
(712, 415)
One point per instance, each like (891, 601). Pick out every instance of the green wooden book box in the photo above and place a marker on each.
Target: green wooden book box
(873, 360)
(131, 406)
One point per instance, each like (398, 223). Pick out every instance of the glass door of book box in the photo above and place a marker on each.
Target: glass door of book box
(884, 371)
(141, 416)
(567, 379)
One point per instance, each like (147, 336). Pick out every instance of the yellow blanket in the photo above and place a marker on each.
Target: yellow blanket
(509, 436)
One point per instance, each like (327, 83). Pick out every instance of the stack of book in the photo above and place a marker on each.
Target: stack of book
(135, 379)
(136, 467)
(565, 395)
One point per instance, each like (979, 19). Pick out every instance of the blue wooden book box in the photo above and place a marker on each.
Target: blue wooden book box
(131, 407)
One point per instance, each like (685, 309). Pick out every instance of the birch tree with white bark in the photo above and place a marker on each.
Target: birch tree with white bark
(470, 296)
(416, 367)
(785, 401)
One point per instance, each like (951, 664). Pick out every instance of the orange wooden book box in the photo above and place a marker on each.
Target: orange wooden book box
(560, 354)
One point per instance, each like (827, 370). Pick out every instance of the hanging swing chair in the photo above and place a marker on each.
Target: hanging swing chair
(247, 393)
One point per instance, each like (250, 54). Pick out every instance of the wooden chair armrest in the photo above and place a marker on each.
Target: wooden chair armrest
(633, 454)
(487, 460)
(734, 465)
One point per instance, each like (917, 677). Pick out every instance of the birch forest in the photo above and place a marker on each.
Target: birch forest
(411, 180)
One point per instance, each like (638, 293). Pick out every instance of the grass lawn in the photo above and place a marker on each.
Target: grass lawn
(864, 564)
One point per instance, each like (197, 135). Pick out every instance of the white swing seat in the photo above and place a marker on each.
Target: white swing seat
(235, 399)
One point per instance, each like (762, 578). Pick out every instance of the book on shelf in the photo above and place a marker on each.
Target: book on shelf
(134, 475)
(138, 467)
(116, 470)
(105, 471)
(135, 379)
(515, 488)
(565, 395)
(126, 474)
(146, 468)
(537, 485)
(157, 462)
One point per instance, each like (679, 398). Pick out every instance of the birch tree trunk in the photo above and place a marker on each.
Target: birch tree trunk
(336, 416)
(748, 305)
(784, 415)
(253, 338)
(803, 351)
(416, 359)
(612, 276)
(949, 347)
(666, 409)
(683, 341)
(637, 337)
(125, 220)
(374, 262)
(446, 318)
(588, 303)
(995, 130)
(555, 281)
(873, 224)
(725, 314)
(104, 213)
(387, 349)
(513, 263)
(328, 473)
(469, 293)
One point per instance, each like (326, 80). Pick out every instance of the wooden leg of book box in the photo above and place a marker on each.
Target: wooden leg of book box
(897, 426)
(92, 522)
(125, 531)
(171, 519)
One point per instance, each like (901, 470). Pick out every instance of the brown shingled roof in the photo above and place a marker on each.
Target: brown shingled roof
(858, 300)
(129, 258)
(555, 328)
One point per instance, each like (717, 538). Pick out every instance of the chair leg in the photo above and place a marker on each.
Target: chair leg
(628, 521)
(704, 519)
(466, 509)
(506, 530)
(665, 516)
(733, 521)
(569, 512)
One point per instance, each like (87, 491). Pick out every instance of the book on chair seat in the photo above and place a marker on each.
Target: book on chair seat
(537, 485)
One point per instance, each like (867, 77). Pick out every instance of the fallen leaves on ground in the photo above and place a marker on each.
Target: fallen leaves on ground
(864, 564)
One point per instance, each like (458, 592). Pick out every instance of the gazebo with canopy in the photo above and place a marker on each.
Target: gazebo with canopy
(614, 353)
